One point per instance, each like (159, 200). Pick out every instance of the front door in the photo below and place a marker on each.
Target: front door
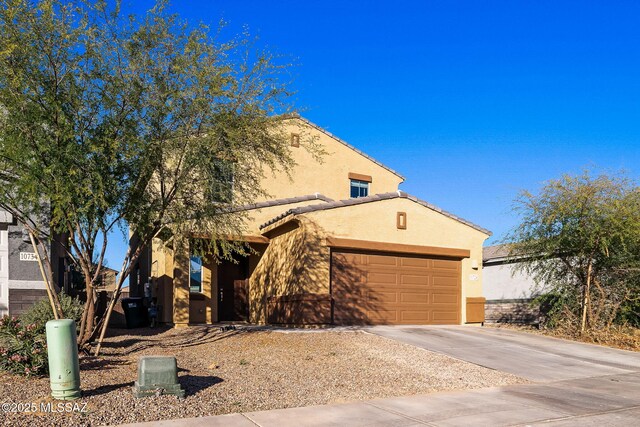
(232, 295)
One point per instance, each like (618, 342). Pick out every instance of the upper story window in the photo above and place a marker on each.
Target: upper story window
(359, 188)
(195, 274)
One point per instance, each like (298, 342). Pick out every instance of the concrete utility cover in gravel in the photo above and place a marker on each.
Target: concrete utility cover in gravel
(250, 370)
(157, 375)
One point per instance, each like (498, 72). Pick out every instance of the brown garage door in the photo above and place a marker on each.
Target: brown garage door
(372, 288)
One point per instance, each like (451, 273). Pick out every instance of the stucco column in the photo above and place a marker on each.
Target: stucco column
(181, 284)
(207, 288)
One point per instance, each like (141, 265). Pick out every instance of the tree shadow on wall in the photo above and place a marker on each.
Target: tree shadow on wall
(300, 282)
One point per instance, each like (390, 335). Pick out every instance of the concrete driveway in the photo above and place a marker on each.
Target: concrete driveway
(573, 383)
(531, 356)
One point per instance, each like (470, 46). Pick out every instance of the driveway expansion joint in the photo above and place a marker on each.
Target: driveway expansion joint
(400, 414)
(575, 417)
(249, 418)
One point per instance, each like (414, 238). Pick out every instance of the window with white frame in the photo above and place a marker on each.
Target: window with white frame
(359, 188)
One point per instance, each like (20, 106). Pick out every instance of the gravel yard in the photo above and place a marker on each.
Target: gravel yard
(247, 370)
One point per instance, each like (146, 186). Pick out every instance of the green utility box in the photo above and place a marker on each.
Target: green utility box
(62, 351)
(157, 375)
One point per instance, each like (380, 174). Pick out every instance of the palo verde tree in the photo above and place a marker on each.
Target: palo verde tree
(109, 120)
(579, 238)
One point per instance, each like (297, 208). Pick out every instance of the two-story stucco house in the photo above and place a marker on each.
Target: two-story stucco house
(337, 244)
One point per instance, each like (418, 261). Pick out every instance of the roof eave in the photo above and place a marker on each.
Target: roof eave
(376, 198)
(346, 144)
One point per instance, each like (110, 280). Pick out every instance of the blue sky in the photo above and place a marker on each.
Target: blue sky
(470, 100)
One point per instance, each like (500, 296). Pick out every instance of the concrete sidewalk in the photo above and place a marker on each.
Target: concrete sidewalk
(609, 400)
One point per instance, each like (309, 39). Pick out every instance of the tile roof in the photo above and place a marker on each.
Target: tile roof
(369, 199)
(279, 202)
(502, 253)
(326, 132)
(494, 252)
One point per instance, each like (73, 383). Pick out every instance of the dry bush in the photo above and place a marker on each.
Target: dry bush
(622, 337)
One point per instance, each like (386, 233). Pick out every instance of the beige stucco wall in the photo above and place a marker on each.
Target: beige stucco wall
(256, 217)
(161, 273)
(377, 222)
(295, 262)
(330, 177)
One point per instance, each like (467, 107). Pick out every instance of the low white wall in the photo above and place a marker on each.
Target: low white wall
(500, 284)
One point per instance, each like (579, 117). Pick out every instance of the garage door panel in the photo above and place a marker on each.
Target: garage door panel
(344, 257)
(414, 262)
(410, 279)
(383, 317)
(445, 264)
(414, 297)
(448, 299)
(381, 278)
(374, 260)
(447, 282)
(378, 297)
(395, 289)
(445, 271)
(414, 316)
(444, 316)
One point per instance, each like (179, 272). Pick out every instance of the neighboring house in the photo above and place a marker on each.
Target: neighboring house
(105, 287)
(107, 280)
(339, 244)
(21, 282)
(509, 293)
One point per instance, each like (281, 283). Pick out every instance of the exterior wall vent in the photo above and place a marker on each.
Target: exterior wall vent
(295, 140)
(401, 220)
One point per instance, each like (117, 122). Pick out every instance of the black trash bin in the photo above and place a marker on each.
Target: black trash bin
(135, 312)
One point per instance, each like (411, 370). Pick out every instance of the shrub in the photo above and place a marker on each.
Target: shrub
(630, 314)
(40, 312)
(23, 344)
(23, 350)
(553, 311)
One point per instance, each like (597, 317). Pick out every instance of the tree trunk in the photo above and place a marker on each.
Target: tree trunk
(88, 318)
(51, 293)
(107, 315)
(83, 319)
(585, 302)
(85, 311)
(614, 313)
(90, 321)
(129, 259)
(600, 308)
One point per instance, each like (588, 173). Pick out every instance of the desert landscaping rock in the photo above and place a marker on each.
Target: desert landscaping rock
(248, 370)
